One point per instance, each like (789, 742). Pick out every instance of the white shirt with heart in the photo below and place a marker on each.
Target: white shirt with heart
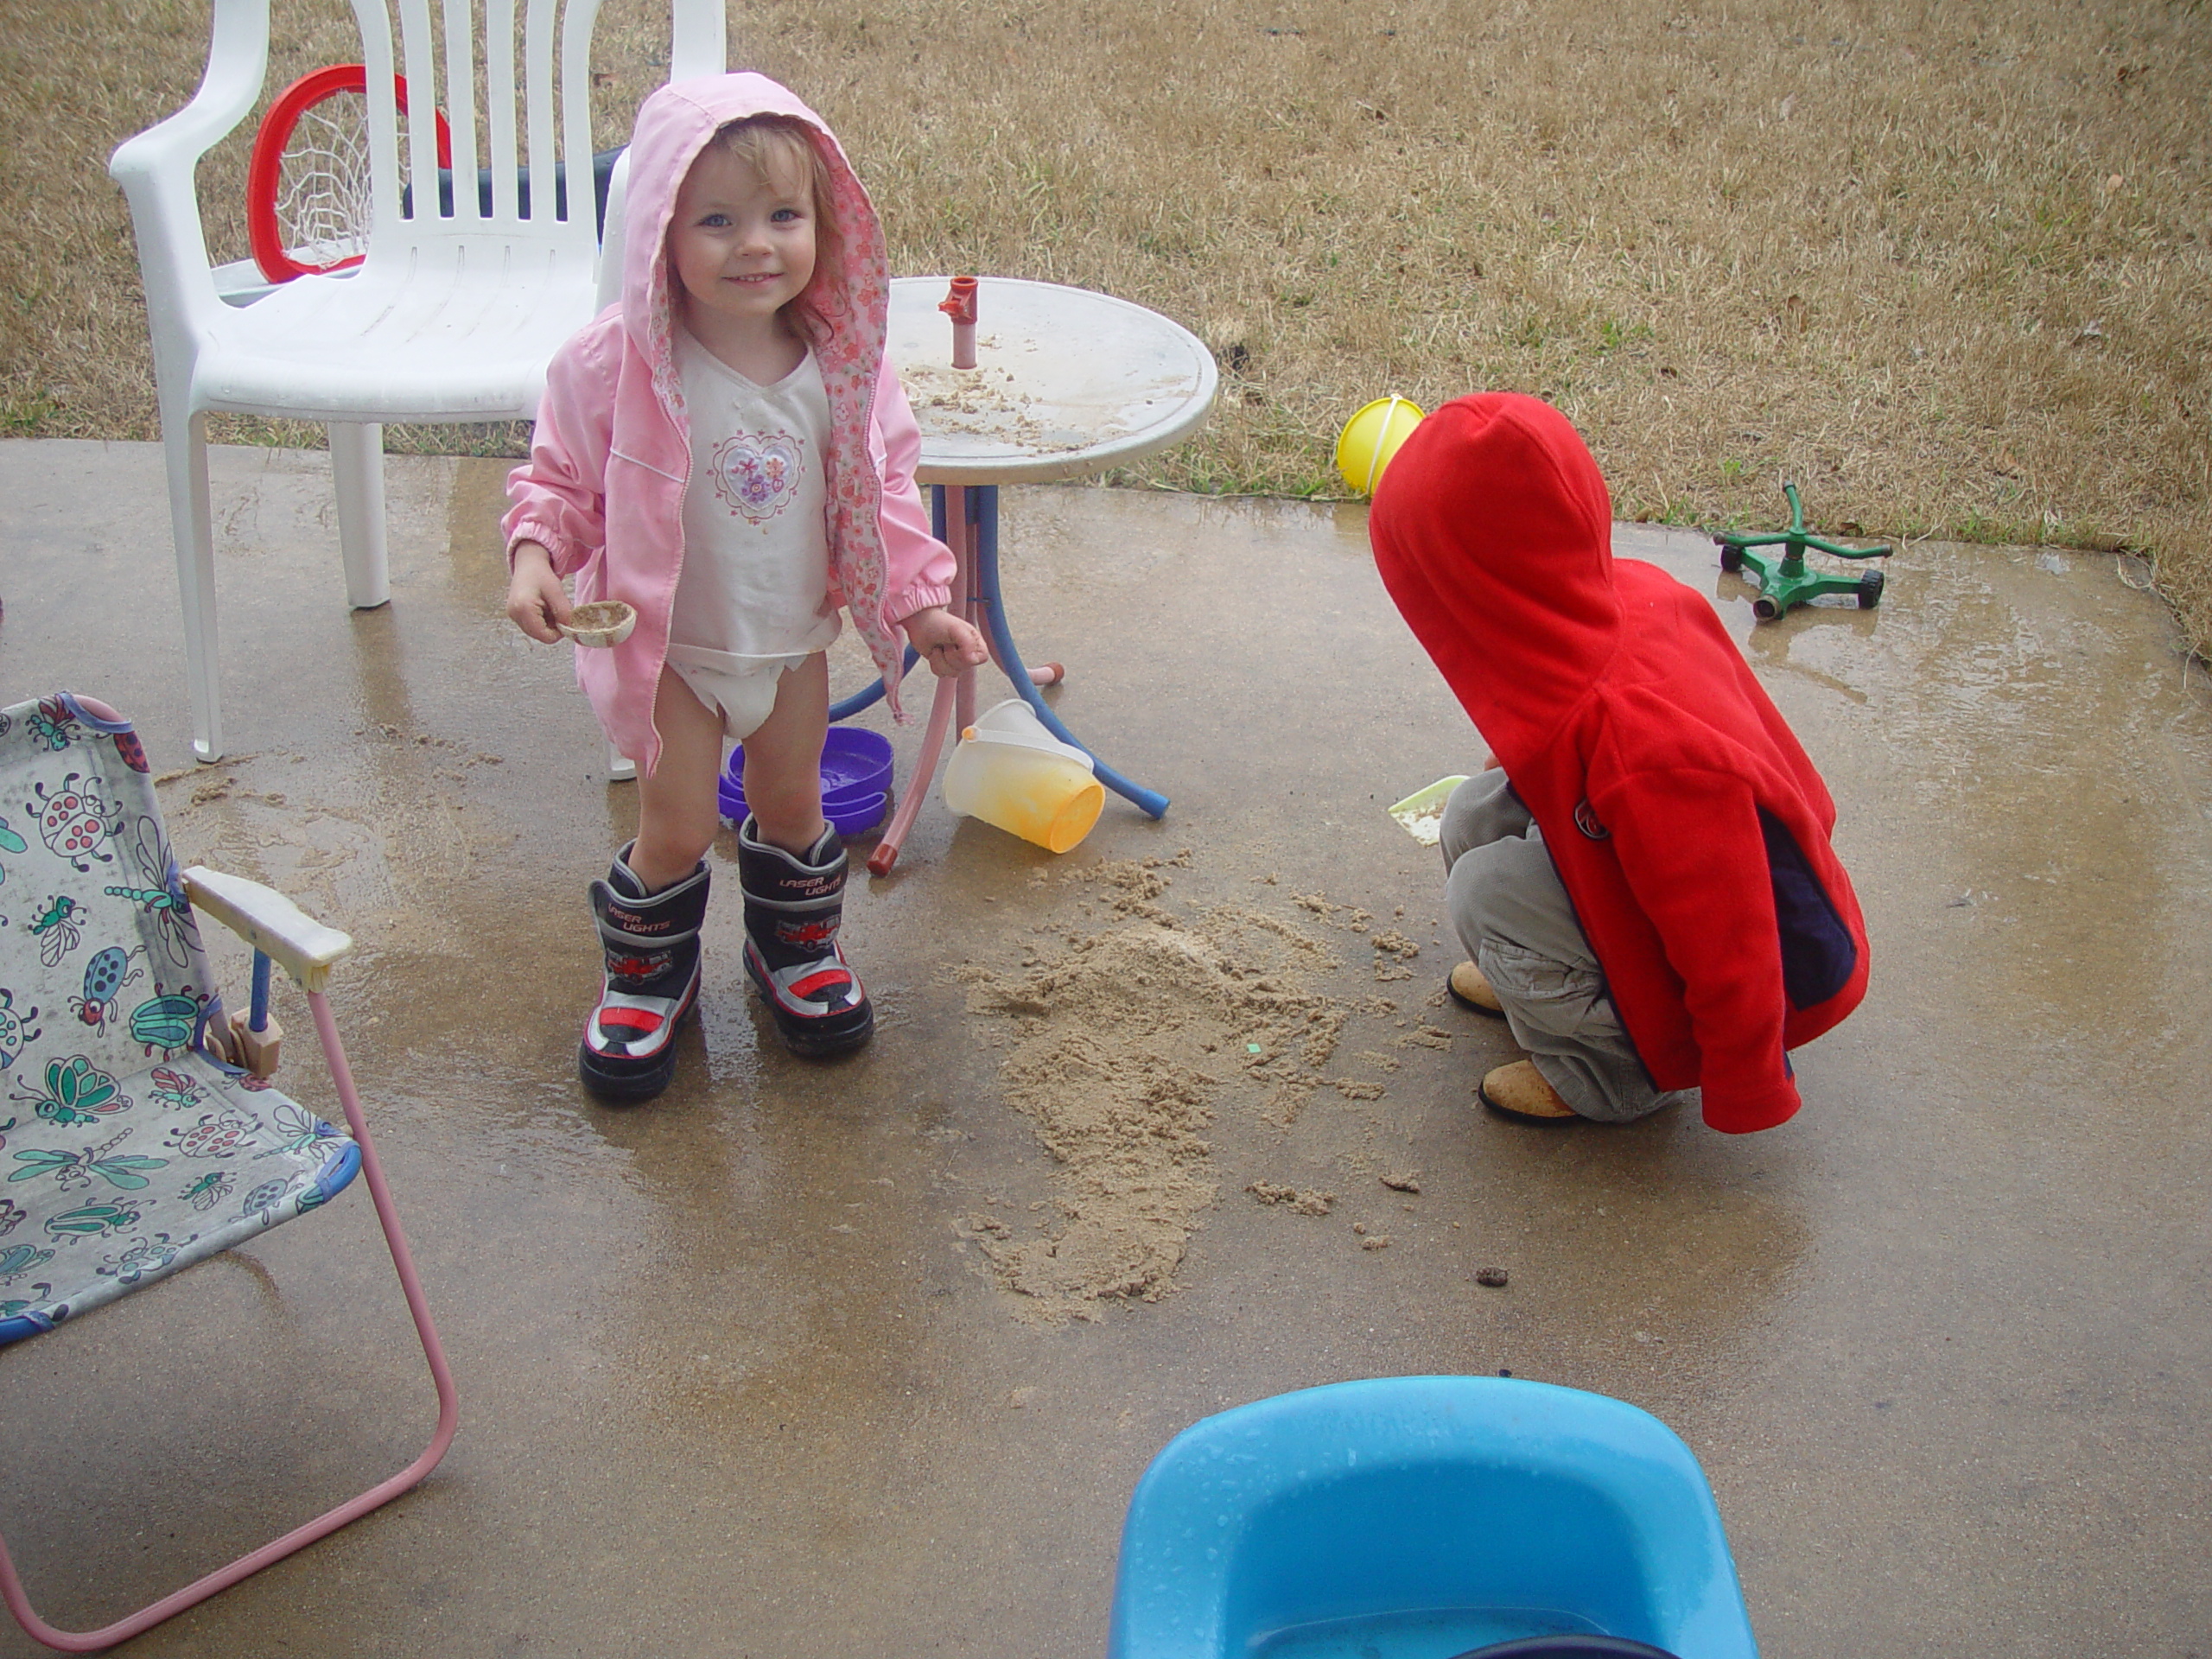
(755, 583)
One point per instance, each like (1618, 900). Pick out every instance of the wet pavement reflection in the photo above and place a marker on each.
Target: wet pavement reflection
(739, 1375)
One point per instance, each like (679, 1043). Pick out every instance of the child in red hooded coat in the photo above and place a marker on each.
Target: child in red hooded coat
(1643, 882)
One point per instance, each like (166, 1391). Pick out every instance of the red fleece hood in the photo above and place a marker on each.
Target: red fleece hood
(1688, 824)
(1494, 531)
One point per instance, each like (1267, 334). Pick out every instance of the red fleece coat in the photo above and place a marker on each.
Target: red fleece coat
(1687, 825)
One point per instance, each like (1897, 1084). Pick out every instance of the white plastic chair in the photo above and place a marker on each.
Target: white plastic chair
(447, 319)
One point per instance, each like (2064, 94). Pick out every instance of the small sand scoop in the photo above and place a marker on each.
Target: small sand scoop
(1421, 813)
(602, 623)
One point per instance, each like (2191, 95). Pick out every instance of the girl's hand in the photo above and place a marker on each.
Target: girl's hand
(536, 603)
(948, 644)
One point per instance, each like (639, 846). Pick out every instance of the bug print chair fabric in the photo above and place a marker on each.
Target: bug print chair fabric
(127, 1150)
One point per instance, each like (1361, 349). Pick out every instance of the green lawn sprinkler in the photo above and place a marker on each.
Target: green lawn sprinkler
(1786, 581)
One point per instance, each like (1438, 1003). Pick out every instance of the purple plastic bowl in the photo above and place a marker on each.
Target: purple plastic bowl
(849, 815)
(855, 760)
(853, 818)
(856, 780)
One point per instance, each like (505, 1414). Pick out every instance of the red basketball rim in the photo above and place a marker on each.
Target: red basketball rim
(266, 172)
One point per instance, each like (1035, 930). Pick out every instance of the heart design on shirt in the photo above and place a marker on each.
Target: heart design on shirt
(756, 473)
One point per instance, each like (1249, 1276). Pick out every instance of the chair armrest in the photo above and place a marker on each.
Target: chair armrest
(269, 922)
(155, 166)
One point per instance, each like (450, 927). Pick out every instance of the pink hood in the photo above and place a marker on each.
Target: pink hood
(846, 323)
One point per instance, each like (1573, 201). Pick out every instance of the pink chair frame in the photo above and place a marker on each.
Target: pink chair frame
(191, 1595)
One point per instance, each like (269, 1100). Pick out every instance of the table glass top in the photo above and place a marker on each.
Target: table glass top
(1067, 382)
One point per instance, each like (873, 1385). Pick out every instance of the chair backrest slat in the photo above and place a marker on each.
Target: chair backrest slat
(460, 106)
(698, 39)
(423, 97)
(537, 95)
(540, 129)
(384, 121)
(500, 105)
(576, 106)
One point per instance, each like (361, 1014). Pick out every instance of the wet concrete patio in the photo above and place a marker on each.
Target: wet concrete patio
(740, 1373)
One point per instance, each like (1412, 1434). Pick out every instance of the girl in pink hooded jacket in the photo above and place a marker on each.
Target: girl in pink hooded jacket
(728, 452)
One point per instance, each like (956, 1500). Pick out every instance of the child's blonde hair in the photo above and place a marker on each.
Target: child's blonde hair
(781, 149)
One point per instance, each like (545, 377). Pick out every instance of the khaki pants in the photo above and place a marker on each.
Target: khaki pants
(1516, 922)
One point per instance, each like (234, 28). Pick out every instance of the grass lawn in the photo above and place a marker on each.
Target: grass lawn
(1944, 265)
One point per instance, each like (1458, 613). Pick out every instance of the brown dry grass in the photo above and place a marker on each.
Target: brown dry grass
(1946, 265)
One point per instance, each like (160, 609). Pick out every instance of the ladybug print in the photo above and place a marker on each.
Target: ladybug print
(75, 824)
(132, 750)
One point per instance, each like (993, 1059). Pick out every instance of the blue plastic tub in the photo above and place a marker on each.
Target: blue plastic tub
(1420, 1517)
(856, 780)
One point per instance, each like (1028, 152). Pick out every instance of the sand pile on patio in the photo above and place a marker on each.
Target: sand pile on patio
(1125, 1045)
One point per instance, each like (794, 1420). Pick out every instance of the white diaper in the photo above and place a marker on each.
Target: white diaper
(746, 694)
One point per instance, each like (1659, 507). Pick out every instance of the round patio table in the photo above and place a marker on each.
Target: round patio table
(1067, 384)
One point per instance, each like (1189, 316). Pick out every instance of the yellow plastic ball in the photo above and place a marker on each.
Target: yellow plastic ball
(1371, 437)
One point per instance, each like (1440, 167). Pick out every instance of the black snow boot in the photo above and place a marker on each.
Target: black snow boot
(652, 981)
(792, 909)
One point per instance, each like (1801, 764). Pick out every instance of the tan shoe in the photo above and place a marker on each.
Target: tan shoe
(1519, 1090)
(1470, 990)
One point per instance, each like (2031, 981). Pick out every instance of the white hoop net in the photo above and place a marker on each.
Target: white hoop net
(322, 186)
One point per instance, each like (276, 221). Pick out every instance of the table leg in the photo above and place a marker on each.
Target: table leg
(886, 849)
(991, 602)
(960, 537)
(872, 693)
(954, 698)
(1044, 673)
(966, 519)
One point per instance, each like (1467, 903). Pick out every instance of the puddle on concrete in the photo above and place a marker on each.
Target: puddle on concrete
(743, 1358)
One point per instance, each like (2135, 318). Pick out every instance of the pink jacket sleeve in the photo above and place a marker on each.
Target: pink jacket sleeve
(560, 492)
(918, 568)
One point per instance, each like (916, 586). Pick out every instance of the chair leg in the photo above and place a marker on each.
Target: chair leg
(403, 1261)
(184, 447)
(357, 467)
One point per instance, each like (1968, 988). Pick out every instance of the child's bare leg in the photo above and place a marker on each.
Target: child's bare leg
(783, 759)
(792, 866)
(676, 804)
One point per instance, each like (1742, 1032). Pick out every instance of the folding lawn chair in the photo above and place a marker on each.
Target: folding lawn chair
(1425, 1517)
(128, 1149)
